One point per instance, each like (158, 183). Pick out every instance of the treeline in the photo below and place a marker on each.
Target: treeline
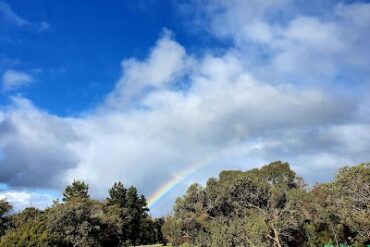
(121, 220)
(272, 206)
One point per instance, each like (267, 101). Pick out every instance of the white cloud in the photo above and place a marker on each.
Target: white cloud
(12, 80)
(42, 139)
(357, 12)
(163, 64)
(285, 40)
(23, 199)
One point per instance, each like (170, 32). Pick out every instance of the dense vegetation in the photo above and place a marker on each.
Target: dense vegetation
(272, 206)
(121, 220)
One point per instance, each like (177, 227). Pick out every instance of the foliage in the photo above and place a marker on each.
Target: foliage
(29, 229)
(78, 189)
(76, 223)
(117, 195)
(272, 206)
(5, 208)
(122, 220)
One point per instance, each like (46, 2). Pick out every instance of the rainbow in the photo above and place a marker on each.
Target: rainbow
(175, 180)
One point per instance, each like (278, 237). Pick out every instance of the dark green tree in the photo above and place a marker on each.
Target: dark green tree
(117, 206)
(78, 189)
(118, 195)
(159, 237)
(77, 222)
(5, 208)
(137, 214)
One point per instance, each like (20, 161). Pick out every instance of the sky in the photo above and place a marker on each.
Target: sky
(162, 94)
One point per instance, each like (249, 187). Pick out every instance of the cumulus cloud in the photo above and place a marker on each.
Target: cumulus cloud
(148, 129)
(224, 107)
(163, 65)
(313, 42)
(34, 146)
(12, 80)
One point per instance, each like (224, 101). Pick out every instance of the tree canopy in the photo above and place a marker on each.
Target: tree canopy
(78, 189)
(272, 206)
(121, 220)
(269, 206)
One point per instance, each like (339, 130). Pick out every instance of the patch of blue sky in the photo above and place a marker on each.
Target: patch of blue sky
(3, 186)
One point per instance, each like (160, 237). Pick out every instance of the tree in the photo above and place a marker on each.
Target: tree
(76, 223)
(117, 207)
(79, 221)
(278, 173)
(252, 208)
(159, 237)
(78, 189)
(117, 220)
(118, 195)
(171, 230)
(344, 205)
(269, 207)
(272, 206)
(352, 190)
(5, 208)
(137, 214)
(28, 229)
(191, 209)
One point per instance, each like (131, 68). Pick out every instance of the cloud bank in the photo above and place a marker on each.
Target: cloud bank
(239, 109)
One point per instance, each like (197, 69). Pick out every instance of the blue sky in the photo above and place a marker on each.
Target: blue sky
(140, 91)
(77, 59)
